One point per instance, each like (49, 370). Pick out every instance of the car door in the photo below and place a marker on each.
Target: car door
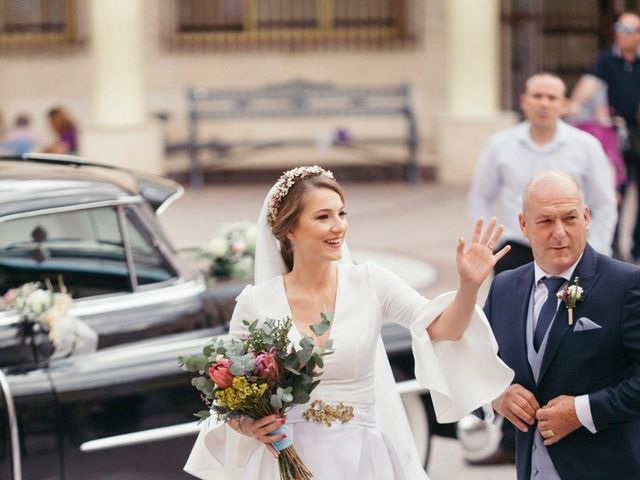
(30, 446)
(127, 410)
(127, 281)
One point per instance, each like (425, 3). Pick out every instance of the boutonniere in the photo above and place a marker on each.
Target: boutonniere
(571, 295)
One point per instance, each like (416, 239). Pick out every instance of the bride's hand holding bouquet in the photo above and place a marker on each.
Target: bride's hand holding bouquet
(252, 382)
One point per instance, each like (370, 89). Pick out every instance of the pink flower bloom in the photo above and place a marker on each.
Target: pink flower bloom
(238, 247)
(10, 296)
(220, 374)
(267, 366)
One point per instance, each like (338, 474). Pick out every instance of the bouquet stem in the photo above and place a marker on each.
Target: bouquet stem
(291, 466)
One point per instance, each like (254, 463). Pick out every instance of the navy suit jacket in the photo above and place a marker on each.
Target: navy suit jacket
(603, 363)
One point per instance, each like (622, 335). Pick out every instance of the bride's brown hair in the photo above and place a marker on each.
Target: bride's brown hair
(292, 205)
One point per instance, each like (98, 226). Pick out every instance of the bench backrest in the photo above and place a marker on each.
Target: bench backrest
(300, 99)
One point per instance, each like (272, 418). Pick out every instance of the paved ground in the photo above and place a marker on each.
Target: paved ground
(389, 221)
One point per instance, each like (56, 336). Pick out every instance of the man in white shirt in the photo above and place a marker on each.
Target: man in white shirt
(542, 142)
(575, 398)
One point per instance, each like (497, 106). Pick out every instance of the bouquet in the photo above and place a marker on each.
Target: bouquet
(49, 310)
(231, 253)
(260, 375)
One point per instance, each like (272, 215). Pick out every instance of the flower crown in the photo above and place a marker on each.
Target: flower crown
(284, 184)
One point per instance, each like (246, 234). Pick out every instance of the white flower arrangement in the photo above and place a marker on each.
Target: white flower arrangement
(42, 306)
(50, 311)
(231, 253)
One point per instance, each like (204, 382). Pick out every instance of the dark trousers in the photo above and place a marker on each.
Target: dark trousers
(632, 162)
(518, 255)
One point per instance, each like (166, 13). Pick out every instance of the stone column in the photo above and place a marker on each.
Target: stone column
(472, 87)
(121, 132)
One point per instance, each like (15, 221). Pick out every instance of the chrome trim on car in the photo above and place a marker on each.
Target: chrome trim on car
(13, 428)
(145, 436)
(139, 299)
(191, 428)
(122, 221)
(125, 301)
(169, 201)
(72, 208)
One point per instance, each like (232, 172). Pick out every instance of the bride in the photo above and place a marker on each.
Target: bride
(303, 268)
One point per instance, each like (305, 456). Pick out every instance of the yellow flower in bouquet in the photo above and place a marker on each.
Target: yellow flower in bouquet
(241, 394)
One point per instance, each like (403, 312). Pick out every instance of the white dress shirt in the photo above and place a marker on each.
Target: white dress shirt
(512, 158)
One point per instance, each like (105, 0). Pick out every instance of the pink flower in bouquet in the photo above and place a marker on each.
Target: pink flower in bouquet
(238, 247)
(267, 366)
(220, 374)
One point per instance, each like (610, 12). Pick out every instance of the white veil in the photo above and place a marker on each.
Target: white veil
(390, 413)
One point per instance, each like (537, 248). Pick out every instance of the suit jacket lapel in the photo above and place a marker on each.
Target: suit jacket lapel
(520, 298)
(587, 277)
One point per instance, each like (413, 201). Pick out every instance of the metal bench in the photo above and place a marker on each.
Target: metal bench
(297, 99)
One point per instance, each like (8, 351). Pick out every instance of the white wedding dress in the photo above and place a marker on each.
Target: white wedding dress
(376, 443)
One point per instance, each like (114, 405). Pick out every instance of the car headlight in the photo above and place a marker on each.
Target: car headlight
(479, 439)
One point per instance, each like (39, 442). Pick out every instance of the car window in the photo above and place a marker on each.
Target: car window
(150, 265)
(84, 248)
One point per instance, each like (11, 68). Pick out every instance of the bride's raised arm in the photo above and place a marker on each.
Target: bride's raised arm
(474, 265)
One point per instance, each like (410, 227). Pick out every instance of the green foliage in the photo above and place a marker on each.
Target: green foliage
(297, 374)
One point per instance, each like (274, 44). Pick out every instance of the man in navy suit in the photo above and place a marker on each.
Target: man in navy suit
(575, 398)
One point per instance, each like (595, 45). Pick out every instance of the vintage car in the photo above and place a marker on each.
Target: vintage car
(124, 410)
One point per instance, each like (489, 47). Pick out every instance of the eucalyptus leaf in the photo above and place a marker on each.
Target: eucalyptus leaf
(292, 370)
(306, 343)
(304, 355)
(242, 365)
(327, 315)
(285, 394)
(318, 360)
(195, 363)
(301, 397)
(276, 402)
(321, 327)
(291, 360)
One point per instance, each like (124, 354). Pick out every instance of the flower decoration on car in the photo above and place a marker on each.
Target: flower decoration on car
(231, 253)
(284, 184)
(571, 295)
(49, 310)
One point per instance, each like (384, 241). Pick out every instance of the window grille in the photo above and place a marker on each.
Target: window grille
(289, 24)
(36, 24)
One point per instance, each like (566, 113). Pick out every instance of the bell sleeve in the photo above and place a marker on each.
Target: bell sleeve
(461, 375)
(220, 453)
